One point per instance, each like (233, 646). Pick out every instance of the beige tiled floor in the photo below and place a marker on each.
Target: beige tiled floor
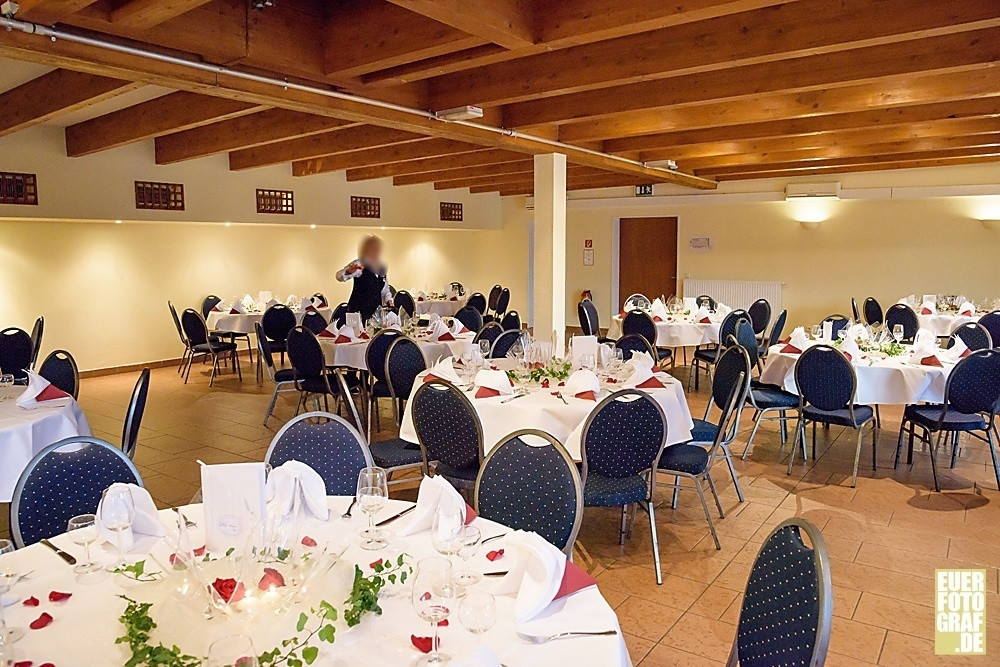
(885, 537)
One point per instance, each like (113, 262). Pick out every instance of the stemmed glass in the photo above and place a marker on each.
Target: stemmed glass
(9, 575)
(897, 332)
(83, 531)
(444, 533)
(816, 330)
(478, 613)
(433, 596)
(469, 538)
(232, 651)
(372, 494)
(116, 513)
(484, 348)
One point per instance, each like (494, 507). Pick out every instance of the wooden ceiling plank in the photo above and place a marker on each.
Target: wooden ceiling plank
(424, 164)
(573, 182)
(508, 23)
(144, 14)
(572, 171)
(772, 33)
(346, 140)
(385, 156)
(492, 169)
(54, 94)
(50, 11)
(903, 164)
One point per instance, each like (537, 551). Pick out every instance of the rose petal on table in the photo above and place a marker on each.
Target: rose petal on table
(23, 663)
(423, 644)
(41, 621)
(56, 596)
(271, 579)
(200, 551)
(375, 564)
(545, 384)
(443, 624)
(494, 555)
(426, 596)
(308, 541)
(31, 602)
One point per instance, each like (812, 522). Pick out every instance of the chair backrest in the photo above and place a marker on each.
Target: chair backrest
(825, 378)
(447, 425)
(63, 480)
(457, 287)
(760, 315)
(732, 374)
(392, 290)
(36, 339)
(623, 436)
(872, 311)
(838, 321)
(728, 326)
(340, 315)
(589, 319)
(314, 321)
(707, 301)
(530, 487)
(503, 343)
(60, 369)
(194, 326)
(133, 415)
(503, 301)
(15, 352)
(974, 335)
(636, 302)
(470, 317)
(277, 321)
(403, 363)
(326, 443)
(974, 384)
(177, 322)
(788, 603)
(639, 322)
(264, 349)
(477, 301)
(489, 332)
(630, 343)
(746, 339)
(305, 354)
(855, 313)
(491, 303)
(512, 320)
(900, 313)
(404, 300)
(779, 326)
(322, 299)
(377, 350)
(208, 303)
(991, 322)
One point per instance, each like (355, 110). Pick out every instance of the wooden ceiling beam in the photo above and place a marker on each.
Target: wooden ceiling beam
(345, 140)
(50, 11)
(773, 33)
(162, 115)
(508, 23)
(435, 163)
(385, 156)
(493, 169)
(902, 164)
(579, 183)
(144, 14)
(54, 94)
(572, 171)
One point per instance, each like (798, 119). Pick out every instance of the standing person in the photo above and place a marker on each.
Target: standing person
(368, 272)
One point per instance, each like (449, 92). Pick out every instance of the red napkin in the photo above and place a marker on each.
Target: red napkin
(233, 311)
(930, 361)
(651, 383)
(341, 338)
(926, 311)
(420, 298)
(454, 298)
(657, 318)
(310, 308)
(967, 313)
(791, 349)
(50, 393)
(967, 352)
(588, 395)
(786, 340)
(705, 320)
(486, 392)
(364, 336)
(216, 309)
(470, 514)
(848, 355)
(464, 330)
(325, 334)
(575, 578)
(430, 377)
(446, 336)
(622, 314)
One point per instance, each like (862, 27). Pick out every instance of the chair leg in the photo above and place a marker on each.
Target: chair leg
(799, 433)
(631, 521)
(857, 457)
(899, 444)
(718, 503)
(621, 532)
(732, 471)
(784, 427)
(239, 366)
(875, 431)
(993, 450)
(656, 544)
(708, 515)
(933, 449)
(753, 432)
(677, 491)
(270, 408)
(954, 448)
(814, 441)
(909, 451)
(215, 367)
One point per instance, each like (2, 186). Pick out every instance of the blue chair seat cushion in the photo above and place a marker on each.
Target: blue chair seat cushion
(707, 354)
(278, 345)
(703, 431)
(841, 417)
(467, 474)
(928, 416)
(664, 353)
(215, 347)
(395, 452)
(685, 457)
(316, 385)
(765, 396)
(284, 375)
(614, 492)
(381, 390)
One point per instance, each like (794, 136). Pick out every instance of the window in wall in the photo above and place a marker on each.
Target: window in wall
(366, 207)
(159, 196)
(275, 201)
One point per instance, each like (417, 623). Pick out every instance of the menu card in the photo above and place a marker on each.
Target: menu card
(234, 501)
(354, 321)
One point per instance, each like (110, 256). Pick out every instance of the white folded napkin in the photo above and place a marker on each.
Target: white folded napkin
(248, 301)
(457, 328)
(265, 296)
(658, 308)
(443, 370)
(316, 302)
(850, 348)
(331, 330)
(438, 329)
(420, 295)
(925, 337)
(857, 332)
(292, 301)
(146, 521)
(481, 656)
(41, 392)
(434, 492)
(967, 309)
(311, 496)
(722, 309)
(957, 350)
(928, 308)
(494, 380)
(354, 319)
(642, 369)
(924, 346)
(702, 315)
(583, 384)
(239, 307)
(348, 332)
(391, 321)
(271, 302)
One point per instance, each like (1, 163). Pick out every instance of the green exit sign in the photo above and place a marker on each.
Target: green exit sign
(644, 190)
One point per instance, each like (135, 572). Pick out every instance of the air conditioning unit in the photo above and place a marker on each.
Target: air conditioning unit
(459, 113)
(812, 191)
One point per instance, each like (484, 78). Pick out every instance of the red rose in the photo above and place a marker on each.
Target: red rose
(245, 661)
(41, 621)
(372, 565)
(308, 541)
(228, 590)
(271, 579)
(56, 596)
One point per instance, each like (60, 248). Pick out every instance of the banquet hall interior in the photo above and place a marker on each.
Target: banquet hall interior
(490, 334)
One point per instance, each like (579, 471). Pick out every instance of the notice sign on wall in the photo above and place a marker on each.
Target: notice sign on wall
(588, 252)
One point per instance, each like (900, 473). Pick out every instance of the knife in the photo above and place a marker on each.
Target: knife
(59, 552)
(396, 516)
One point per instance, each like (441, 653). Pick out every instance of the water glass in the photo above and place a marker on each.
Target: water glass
(816, 330)
(372, 495)
(9, 575)
(232, 651)
(484, 349)
(83, 531)
(588, 361)
(469, 538)
(433, 597)
(897, 332)
(116, 513)
(444, 531)
(478, 613)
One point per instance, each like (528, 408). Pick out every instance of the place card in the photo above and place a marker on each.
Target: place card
(354, 321)
(234, 502)
(583, 345)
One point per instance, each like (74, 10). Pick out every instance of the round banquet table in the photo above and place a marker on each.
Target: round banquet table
(888, 381)
(540, 409)
(85, 626)
(352, 355)
(944, 324)
(24, 433)
(442, 307)
(679, 331)
(243, 323)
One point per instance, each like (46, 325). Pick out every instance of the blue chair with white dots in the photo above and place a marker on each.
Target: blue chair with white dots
(377, 386)
(903, 315)
(788, 603)
(622, 442)
(403, 363)
(449, 432)
(640, 322)
(65, 479)
(470, 318)
(973, 334)
(529, 482)
(632, 343)
(706, 357)
(490, 332)
(326, 443)
(504, 342)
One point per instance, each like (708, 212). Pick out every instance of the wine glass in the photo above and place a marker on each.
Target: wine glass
(816, 330)
(432, 597)
(469, 538)
(83, 531)
(484, 349)
(116, 512)
(478, 613)
(9, 575)
(372, 494)
(444, 531)
(897, 332)
(588, 361)
(232, 651)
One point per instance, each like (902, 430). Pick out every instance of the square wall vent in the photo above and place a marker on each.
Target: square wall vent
(18, 188)
(366, 207)
(159, 196)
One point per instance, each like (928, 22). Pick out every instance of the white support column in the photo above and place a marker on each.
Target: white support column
(550, 248)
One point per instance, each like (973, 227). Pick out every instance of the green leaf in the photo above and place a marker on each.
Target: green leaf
(300, 626)
(327, 634)
(309, 654)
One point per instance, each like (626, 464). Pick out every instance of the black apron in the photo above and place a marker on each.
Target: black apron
(366, 295)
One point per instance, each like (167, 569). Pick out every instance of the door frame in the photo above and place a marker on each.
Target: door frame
(616, 250)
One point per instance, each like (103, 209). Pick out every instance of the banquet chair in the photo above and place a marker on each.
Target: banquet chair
(477, 301)
(632, 343)
(339, 315)
(775, 335)
(489, 332)
(449, 432)
(311, 375)
(746, 337)
(991, 322)
(504, 342)
(636, 302)
(974, 335)
(403, 301)
(707, 301)
(197, 332)
(787, 607)
(283, 379)
(872, 311)
(133, 415)
(838, 321)
(639, 322)
(180, 334)
(855, 313)
(470, 318)
(376, 385)
(326, 443)
(765, 398)
(15, 353)
(322, 299)
(705, 357)
(276, 322)
(622, 441)
(512, 320)
(900, 313)
(827, 387)
(208, 303)
(59, 368)
(532, 487)
(457, 287)
(392, 290)
(491, 302)
(759, 313)
(692, 461)
(314, 321)
(498, 306)
(590, 321)
(403, 363)
(36, 339)
(971, 397)
(57, 485)
(503, 302)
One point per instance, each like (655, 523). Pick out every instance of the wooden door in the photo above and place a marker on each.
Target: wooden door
(647, 257)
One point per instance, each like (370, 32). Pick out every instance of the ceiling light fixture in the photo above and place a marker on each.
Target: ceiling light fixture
(118, 222)
(312, 226)
(229, 224)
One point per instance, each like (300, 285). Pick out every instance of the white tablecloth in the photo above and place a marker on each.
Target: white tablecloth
(243, 323)
(443, 307)
(352, 355)
(24, 433)
(892, 381)
(84, 628)
(679, 332)
(541, 410)
(943, 324)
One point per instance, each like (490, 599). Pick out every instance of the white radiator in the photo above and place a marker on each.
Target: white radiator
(737, 293)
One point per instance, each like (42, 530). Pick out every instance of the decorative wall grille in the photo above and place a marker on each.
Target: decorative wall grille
(275, 201)
(451, 211)
(366, 207)
(18, 188)
(159, 196)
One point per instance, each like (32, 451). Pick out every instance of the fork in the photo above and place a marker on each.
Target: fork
(543, 639)
(187, 522)
(515, 396)
(347, 514)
